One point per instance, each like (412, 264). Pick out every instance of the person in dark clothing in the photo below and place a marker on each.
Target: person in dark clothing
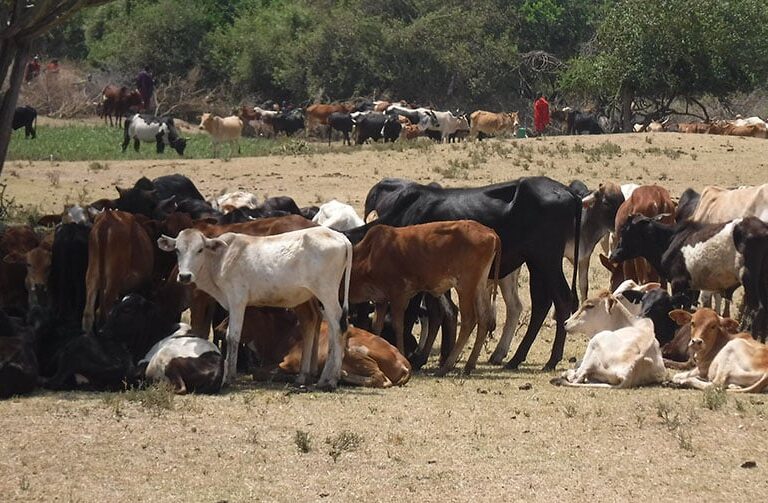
(145, 83)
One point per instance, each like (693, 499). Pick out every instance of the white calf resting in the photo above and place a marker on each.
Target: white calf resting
(338, 216)
(623, 358)
(233, 200)
(291, 270)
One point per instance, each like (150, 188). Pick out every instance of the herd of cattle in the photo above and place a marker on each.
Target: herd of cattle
(96, 302)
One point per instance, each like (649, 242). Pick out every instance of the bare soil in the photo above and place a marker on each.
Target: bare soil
(496, 435)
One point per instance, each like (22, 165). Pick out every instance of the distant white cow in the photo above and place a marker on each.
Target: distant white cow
(233, 200)
(447, 124)
(338, 216)
(222, 130)
(292, 270)
(187, 362)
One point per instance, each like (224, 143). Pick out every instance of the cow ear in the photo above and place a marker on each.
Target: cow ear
(215, 244)
(166, 243)
(167, 205)
(589, 201)
(15, 258)
(730, 325)
(680, 316)
(610, 301)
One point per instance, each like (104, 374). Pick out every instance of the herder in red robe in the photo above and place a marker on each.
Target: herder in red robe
(540, 114)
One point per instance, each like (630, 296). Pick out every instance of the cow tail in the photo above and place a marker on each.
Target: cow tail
(347, 276)
(576, 246)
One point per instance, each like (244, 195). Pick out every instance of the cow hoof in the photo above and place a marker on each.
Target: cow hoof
(417, 360)
(468, 370)
(442, 372)
(549, 366)
(512, 364)
(496, 360)
(326, 386)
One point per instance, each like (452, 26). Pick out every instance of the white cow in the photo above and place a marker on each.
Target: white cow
(233, 200)
(263, 122)
(187, 362)
(338, 216)
(623, 358)
(447, 124)
(607, 311)
(291, 270)
(222, 130)
(158, 130)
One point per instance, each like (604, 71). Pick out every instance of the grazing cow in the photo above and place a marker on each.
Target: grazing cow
(118, 101)
(338, 216)
(462, 133)
(187, 362)
(319, 113)
(120, 261)
(288, 122)
(25, 117)
(532, 217)
(222, 129)
(376, 125)
(732, 361)
(16, 240)
(388, 266)
(383, 196)
(148, 128)
(491, 123)
(342, 122)
(714, 257)
(296, 269)
(274, 335)
(18, 363)
(577, 122)
(623, 358)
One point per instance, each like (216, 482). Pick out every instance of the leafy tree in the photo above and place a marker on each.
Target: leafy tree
(666, 49)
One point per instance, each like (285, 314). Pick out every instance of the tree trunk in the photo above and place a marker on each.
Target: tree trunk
(627, 95)
(20, 52)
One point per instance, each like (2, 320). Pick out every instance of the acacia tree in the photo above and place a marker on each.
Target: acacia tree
(667, 51)
(21, 21)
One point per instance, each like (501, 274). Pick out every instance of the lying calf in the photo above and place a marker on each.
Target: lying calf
(723, 359)
(187, 362)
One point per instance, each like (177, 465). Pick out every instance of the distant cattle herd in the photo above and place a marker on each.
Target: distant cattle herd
(96, 301)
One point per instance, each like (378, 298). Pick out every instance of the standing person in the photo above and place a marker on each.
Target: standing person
(145, 83)
(540, 114)
(32, 70)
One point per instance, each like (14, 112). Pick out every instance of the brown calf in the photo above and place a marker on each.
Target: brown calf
(392, 264)
(15, 241)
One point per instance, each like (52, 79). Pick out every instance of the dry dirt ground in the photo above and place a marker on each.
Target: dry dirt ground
(497, 435)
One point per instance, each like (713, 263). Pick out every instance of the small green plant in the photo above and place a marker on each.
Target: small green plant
(714, 398)
(343, 442)
(301, 439)
(664, 412)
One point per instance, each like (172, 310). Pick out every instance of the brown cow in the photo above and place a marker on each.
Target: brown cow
(120, 261)
(492, 123)
(318, 113)
(15, 240)
(694, 127)
(38, 264)
(393, 264)
(275, 336)
(648, 200)
(118, 101)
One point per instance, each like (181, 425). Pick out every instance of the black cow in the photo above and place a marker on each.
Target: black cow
(695, 256)
(281, 203)
(288, 122)
(148, 128)
(377, 125)
(159, 197)
(309, 212)
(533, 217)
(176, 185)
(340, 121)
(25, 116)
(107, 361)
(656, 305)
(18, 363)
(578, 122)
(383, 195)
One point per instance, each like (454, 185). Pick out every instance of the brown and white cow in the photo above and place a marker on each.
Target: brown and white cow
(318, 113)
(393, 264)
(723, 359)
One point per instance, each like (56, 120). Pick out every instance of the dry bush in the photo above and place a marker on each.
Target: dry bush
(184, 97)
(72, 92)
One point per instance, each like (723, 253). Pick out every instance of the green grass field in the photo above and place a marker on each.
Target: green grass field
(88, 143)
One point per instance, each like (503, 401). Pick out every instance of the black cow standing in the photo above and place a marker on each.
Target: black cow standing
(376, 125)
(533, 218)
(342, 122)
(25, 116)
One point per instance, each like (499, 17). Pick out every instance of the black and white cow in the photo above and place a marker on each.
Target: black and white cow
(189, 363)
(376, 125)
(148, 128)
(25, 116)
(696, 256)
